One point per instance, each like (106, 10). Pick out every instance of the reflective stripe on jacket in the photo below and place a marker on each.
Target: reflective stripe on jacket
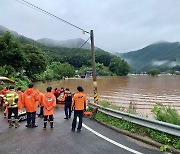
(11, 99)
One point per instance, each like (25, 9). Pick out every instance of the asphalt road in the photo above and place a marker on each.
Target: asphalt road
(93, 139)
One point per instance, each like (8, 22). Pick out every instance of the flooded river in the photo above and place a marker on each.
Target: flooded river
(143, 91)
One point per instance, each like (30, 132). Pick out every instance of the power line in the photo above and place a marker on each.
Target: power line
(48, 13)
(84, 42)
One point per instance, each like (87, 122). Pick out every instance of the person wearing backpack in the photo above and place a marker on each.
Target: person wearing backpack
(68, 102)
(49, 102)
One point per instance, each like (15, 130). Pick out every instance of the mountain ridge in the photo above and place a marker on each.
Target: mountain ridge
(163, 55)
(70, 43)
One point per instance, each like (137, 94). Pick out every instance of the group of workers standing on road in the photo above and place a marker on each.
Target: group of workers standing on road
(14, 101)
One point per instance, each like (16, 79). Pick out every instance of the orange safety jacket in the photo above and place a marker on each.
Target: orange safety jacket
(79, 101)
(40, 97)
(30, 98)
(49, 102)
(20, 99)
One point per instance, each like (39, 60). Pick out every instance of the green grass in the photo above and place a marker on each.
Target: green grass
(104, 103)
(162, 113)
(166, 113)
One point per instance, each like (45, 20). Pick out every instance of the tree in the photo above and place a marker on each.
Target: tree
(153, 72)
(11, 53)
(36, 60)
(62, 70)
(101, 70)
(7, 71)
(103, 57)
(119, 67)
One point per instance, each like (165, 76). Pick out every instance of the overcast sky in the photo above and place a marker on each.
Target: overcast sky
(119, 25)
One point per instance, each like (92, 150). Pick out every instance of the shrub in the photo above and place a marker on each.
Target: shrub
(166, 114)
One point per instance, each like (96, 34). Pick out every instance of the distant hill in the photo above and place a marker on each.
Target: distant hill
(4, 29)
(71, 43)
(21, 38)
(162, 55)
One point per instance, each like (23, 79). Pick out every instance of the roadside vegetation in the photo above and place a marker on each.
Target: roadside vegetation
(166, 139)
(166, 114)
(160, 112)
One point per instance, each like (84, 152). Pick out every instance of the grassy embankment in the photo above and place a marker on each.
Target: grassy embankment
(161, 113)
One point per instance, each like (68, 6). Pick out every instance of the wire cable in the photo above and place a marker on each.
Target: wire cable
(84, 42)
(50, 14)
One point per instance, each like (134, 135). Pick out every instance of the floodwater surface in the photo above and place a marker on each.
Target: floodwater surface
(142, 90)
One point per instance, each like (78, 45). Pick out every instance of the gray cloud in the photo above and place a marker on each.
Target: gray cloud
(119, 25)
(165, 62)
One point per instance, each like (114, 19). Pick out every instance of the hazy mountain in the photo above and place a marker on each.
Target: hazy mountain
(21, 38)
(4, 29)
(162, 55)
(71, 43)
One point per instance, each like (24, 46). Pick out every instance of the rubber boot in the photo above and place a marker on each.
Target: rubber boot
(51, 124)
(45, 123)
(16, 123)
(10, 123)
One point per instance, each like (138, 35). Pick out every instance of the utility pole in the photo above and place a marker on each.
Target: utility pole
(84, 31)
(94, 68)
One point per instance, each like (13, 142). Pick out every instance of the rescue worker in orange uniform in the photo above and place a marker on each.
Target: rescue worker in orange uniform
(79, 104)
(11, 101)
(20, 98)
(68, 102)
(30, 98)
(3, 92)
(49, 102)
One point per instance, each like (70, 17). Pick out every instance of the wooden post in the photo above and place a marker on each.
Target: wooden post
(94, 68)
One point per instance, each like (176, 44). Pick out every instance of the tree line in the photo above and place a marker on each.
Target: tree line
(31, 62)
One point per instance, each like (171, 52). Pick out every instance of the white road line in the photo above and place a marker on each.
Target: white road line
(111, 141)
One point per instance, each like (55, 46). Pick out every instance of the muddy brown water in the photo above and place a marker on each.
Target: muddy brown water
(142, 90)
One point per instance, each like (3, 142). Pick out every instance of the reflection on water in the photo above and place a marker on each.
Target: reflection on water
(143, 91)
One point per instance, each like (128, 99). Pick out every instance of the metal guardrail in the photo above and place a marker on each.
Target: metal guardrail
(150, 123)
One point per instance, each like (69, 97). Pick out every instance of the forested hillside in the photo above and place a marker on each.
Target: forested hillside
(163, 55)
(25, 62)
